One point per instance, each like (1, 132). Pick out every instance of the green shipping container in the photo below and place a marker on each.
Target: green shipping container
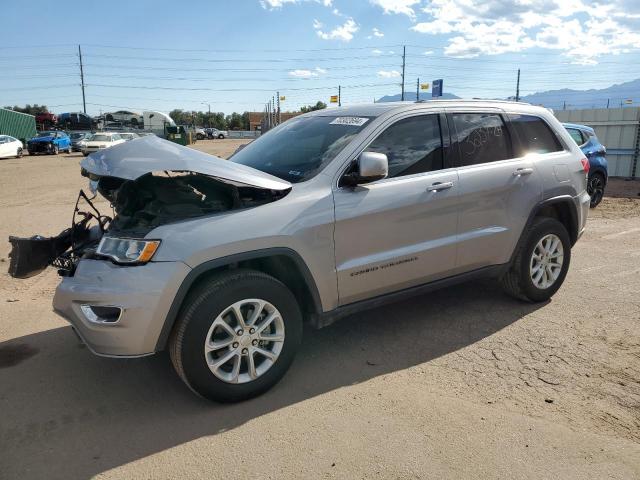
(18, 125)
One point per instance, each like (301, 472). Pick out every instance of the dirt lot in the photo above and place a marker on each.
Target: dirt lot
(461, 383)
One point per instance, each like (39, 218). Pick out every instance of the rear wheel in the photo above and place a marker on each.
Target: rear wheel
(541, 263)
(237, 335)
(595, 189)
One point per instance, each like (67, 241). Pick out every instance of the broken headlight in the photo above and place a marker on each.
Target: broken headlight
(127, 250)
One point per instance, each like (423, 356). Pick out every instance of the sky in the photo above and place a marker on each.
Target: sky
(236, 55)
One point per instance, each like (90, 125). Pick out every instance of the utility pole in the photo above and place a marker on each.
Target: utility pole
(518, 87)
(404, 55)
(273, 109)
(84, 103)
(339, 95)
(418, 89)
(279, 116)
(608, 102)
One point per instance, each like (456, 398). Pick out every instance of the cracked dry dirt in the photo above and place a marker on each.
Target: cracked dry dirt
(461, 383)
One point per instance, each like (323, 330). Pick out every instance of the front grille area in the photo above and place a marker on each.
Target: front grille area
(39, 147)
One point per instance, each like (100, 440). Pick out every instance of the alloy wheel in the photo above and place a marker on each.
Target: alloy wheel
(244, 341)
(546, 261)
(595, 189)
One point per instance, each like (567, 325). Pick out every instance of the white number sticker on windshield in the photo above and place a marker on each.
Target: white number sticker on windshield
(354, 121)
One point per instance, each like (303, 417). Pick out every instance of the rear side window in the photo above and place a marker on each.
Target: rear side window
(534, 135)
(481, 138)
(412, 145)
(576, 135)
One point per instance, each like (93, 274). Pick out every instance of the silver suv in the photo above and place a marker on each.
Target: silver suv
(328, 214)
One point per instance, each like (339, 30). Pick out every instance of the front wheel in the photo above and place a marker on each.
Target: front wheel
(236, 336)
(595, 189)
(221, 136)
(56, 150)
(541, 263)
(19, 153)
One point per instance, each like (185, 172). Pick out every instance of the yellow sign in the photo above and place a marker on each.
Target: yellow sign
(283, 98)
(334, 99)
(424, 86)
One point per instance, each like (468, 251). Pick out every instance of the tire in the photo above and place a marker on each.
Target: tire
(519, 281)
(200, 136)
(56, 150)
(31, 152)
(595, 188)
(204, 308)
(221, 136)
(85, 154)
(19, 153)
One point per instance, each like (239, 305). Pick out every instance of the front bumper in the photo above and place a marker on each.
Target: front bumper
(40, 147)
(144, 293)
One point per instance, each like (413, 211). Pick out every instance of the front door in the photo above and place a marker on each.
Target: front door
(400, 231)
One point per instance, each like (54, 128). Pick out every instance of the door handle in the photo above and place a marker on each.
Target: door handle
(436, 187)
(523, 171)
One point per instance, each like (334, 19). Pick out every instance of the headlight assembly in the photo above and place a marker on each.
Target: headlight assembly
(128, 250)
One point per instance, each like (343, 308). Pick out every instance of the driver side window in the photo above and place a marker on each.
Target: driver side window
(412, 145)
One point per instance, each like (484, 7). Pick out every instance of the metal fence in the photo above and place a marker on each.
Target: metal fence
(618, 129)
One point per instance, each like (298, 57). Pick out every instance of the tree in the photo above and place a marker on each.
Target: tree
(30, 109)
(310, 108)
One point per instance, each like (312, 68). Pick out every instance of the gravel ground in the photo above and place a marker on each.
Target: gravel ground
(461, 383)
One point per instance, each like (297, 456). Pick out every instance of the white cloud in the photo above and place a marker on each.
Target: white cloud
(342, 32)
(582, 29)
(303, 73)
(404, 7)
(273, 4)
(377, 33)
(429, 52)
(375, 51)
(388, 73)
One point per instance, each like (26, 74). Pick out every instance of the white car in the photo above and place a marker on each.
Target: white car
(10, 147)
(125, 117)
(129, 136)
(101, 140)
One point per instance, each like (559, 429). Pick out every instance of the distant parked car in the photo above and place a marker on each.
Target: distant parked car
(10, 147)
(49, 142)
(128, 136)
(46, 118)
(201, 133)
(124, 116)
(595, 152)
(75, 121)
(77, 139)
(215, 133)
(101, 140)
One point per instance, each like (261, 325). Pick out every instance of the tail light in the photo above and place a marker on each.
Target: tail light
(585, 165)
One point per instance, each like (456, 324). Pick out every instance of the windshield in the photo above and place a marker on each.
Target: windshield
(301, 147)
(101, 138)
(47, 134)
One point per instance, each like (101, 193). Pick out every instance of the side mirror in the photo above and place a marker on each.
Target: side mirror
(372, 166)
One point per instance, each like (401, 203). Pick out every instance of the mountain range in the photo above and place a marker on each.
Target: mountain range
(616, 96)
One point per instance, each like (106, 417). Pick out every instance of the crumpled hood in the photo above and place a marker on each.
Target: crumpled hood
(41, 139)
(138, 157)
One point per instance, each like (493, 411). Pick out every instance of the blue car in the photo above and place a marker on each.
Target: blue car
(595, 152)
(49, 142)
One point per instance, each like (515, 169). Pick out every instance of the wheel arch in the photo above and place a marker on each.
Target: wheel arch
(562, 208)
(282, 263)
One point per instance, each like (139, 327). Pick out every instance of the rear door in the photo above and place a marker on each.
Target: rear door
(5, 146)
(399, 231)
(498, 187)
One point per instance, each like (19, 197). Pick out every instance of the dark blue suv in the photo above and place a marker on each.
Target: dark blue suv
(595, 152)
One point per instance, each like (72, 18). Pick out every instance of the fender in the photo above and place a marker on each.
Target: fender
(210, 265)
(573, 213)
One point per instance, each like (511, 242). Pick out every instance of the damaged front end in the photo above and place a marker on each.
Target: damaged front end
(149, 182)
(30, 256)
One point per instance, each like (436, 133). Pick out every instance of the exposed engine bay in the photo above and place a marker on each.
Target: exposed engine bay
(148, 182)
(138, 206)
